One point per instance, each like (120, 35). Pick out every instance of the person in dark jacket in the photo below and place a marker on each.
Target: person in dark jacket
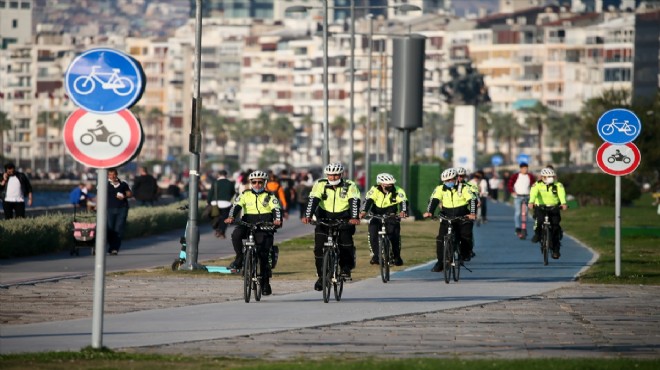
(118, 194)
(221, 195)
(145, 188)
(15, 187)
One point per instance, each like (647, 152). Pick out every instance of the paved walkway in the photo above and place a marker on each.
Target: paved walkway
(597, 321)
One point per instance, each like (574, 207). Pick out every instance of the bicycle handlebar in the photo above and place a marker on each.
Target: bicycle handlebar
(449, 219)
(548, 208)
(261, 225)
(389, 216)
(329, 222)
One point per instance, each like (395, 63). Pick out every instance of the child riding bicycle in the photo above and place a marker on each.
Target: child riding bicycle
(382, 199)
(452, 204)
(257, 205)
(548, 192)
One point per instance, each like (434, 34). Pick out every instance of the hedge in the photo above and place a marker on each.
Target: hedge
(54, 232)
(598, 188)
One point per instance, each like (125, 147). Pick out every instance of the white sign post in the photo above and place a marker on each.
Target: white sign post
(618, 157)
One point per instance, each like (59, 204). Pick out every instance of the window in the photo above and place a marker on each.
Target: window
(25, 5)
(13, 5)
(14, 23)
(3, 4)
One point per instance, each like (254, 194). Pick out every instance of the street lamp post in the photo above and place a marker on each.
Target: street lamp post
(326, 133)
(367, 154)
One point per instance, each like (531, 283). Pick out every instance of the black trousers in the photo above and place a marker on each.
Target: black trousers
(219, 221)
(13, 209)
(464, 230)
(345, 243)
(393, 229)
(263, 240)
(554, 217)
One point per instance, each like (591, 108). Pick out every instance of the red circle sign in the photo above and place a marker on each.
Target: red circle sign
(102, 140)
(618, 159)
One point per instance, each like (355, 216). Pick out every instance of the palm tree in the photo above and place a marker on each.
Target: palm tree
(338, 127)
(308, 127)
(282, 132)
(241, 133)
(537, 116)
(505, 127)
(217, 125)
(566, 129)
(154, 120)
(262, 128)
(484, 123)
(5, 125)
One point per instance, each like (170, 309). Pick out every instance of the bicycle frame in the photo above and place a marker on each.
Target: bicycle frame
(331, 270)
(252, 272)
(385, 253)
(452, 259)
(546, 232)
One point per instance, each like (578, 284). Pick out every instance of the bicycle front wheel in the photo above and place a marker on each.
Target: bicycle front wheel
(447, 257)
(256, 279)
(247, 275)
(546, 244)
(338, 282)
(384, 259)
(327, 274)
(456, 266)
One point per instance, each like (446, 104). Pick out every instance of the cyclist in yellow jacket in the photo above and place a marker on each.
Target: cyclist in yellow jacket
(452, 204)
(257, 205)
(385, 198)
(548, 192)
(334, 198)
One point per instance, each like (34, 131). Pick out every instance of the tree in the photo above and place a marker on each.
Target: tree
(506, 127)
(5, 126)
(338, 127)
(567, 130)
(484, 120)
(308, 127)
(241, 133)
(283, 133)
(154, 121)
(536, 116)
(217, 125)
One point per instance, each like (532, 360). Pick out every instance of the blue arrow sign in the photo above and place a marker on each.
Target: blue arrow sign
(496, 160)
(522, 158)
(619, 126)
(104, 81)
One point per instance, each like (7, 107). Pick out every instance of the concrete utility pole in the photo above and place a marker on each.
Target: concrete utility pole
(195, 145)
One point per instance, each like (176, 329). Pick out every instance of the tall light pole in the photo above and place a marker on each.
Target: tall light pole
(326, 95)
(367, 154)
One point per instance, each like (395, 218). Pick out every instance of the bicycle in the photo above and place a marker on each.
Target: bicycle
(546, 233)
(122, 86)
(624, 127)
(386, 255)
(331, 270)
(523, 217)
(451, 259)
(252, 272)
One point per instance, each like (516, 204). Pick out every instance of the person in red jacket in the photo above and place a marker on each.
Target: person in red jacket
(519, 186)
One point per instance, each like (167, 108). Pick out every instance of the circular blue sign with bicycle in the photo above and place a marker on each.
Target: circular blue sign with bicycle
(619, 126)
(104, 81)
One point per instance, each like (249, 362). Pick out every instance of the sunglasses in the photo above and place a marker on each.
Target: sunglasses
(257, 182)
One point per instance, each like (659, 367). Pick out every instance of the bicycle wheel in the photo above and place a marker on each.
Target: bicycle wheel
(247, 275)
(256, 277)
(327, 274)
(387, 253)
(338, 283)
(456, 266)
(447, 257)
(383, 260)
(546, 244)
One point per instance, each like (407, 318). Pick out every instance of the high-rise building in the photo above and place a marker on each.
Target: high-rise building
(15, 22)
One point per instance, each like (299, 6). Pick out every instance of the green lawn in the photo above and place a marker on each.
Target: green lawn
(640, 255)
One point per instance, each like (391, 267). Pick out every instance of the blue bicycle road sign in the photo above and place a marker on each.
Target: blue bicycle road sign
(522, 158)
(619, 126)
(104, 81)
(496, 160)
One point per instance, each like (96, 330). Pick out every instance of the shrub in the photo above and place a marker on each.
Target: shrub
(598, 188)
(54, 232)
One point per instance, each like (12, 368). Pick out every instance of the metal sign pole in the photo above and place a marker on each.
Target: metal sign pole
(617, 226)
(99, 260)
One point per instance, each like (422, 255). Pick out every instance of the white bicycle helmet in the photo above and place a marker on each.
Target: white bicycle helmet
(448, 174)
(258, 175)
(461, 171)
(385, 178)
(548, 172)
(335, 168)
